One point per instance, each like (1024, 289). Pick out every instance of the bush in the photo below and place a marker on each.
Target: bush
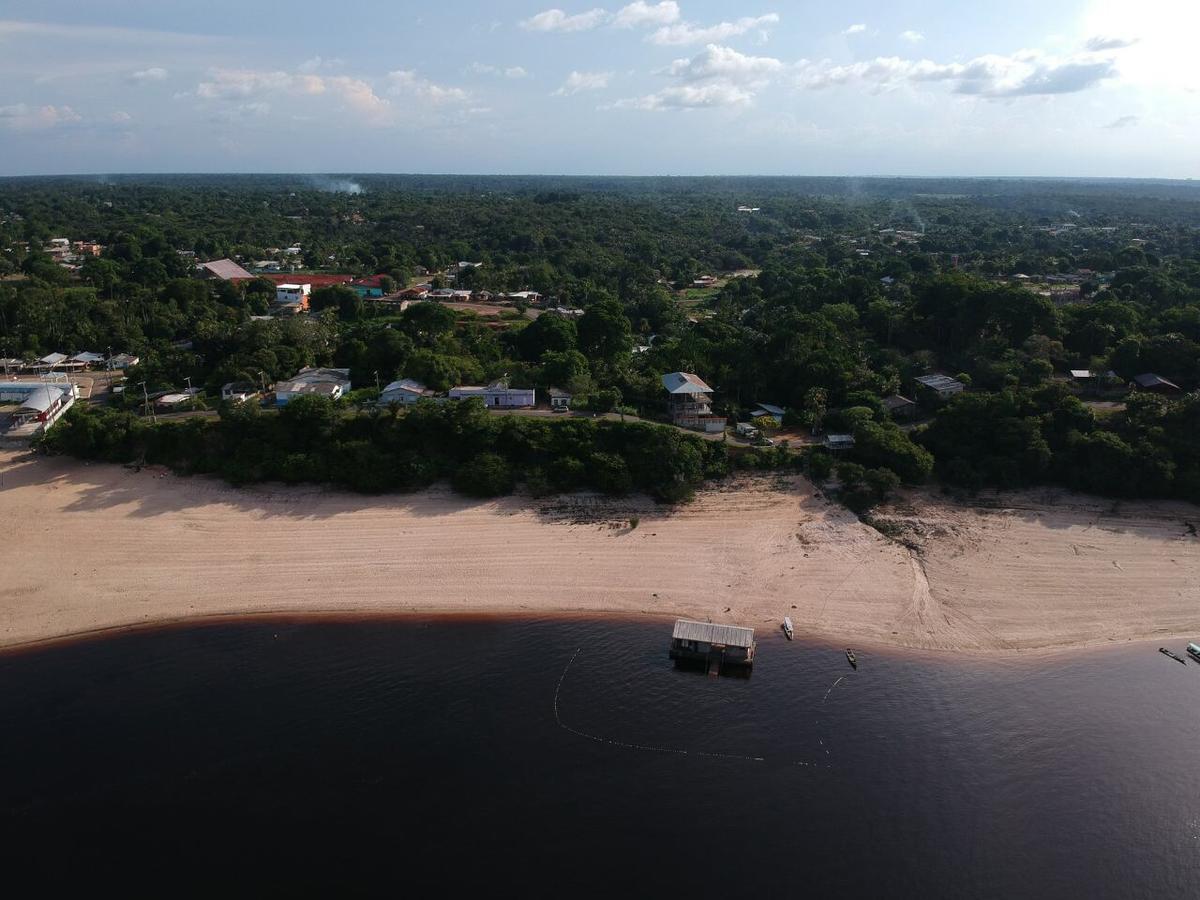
(610, 473)
(486, 475)
(820, 465)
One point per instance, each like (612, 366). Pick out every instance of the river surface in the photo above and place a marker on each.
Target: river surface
(570, 758)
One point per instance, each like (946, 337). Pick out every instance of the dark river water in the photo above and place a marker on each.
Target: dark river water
(569, 758)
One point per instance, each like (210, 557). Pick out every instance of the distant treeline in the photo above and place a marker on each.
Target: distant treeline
(482, 454)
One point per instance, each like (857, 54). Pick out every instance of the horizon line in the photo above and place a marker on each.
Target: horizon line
(326, 174)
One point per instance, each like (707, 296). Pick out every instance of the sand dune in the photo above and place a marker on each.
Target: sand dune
(91, 547)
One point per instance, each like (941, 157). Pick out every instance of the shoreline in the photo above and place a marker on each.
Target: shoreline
(316, 617)
(96, 550)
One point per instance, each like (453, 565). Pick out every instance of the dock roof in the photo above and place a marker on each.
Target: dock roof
(713, 633)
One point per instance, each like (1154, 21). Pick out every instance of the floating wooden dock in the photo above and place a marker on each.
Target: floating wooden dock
(713, 646)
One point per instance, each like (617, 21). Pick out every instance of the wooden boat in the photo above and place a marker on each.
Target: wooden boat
(1194, 651)
(853, 660)
(788, 630)
(1175, 656)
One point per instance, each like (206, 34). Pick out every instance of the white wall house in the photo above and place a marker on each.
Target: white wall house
(293, 295)
(497, 395)
(406, 392)
(331, 383)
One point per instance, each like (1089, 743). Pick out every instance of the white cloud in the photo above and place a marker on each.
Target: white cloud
(913, 37)
(855, 29)
(716, 61)
(478, 68)
(583, 81)
(250, 93)
(1103, 42)
(229, 84)
(716, 77)
(557, 20)
(1025, 73)
(641, 14)
(408, 82)
(154, 73)
(690, 96)
(689, 33)
(120, 117)
(317, 63)
(20, 117)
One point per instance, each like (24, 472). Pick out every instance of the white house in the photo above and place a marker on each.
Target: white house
(41, 402)
(560, 400)
(122, 361)
(690, 402)
(239, 391)
(292, 296)
(405, 392)
(497, 395)
(331, 383)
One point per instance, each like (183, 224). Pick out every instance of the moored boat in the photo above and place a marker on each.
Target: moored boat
(851, 658)
(1175, 656)
(788, 630)
(1194, 651)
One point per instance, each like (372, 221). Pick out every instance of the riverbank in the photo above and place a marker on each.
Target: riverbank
(90, 548)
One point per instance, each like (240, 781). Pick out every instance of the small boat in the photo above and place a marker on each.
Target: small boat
(1175, 656)
(853, 660)
(788, 630)
(1194, 651)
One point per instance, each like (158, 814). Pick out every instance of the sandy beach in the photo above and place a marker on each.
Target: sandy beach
(96, 547)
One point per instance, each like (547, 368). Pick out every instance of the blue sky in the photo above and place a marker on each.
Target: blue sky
(909, 87)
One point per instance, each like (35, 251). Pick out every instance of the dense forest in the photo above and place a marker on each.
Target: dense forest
(849, 289)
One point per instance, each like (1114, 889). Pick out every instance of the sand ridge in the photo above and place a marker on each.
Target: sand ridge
(92, 547)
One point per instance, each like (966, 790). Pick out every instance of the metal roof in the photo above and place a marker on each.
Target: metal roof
(896, 401)
(42, 398)
(408, 384)
(1150, 380)
(938, 382)
(53, 359)
(712, 633)
(685, 383)
(225, 269)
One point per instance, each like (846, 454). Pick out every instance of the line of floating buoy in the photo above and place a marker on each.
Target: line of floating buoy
(648, 748)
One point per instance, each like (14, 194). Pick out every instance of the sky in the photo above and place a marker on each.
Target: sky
(693, 87)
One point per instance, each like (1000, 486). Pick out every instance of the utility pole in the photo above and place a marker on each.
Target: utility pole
(377, 388)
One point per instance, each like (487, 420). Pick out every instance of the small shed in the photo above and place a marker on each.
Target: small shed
(839, 442)
(768, 409)
(712, 643)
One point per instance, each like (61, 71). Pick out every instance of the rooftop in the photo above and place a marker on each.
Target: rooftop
(685, 383)
(938, 382)
(1150, 380)
(712, 633)
(225, 269)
